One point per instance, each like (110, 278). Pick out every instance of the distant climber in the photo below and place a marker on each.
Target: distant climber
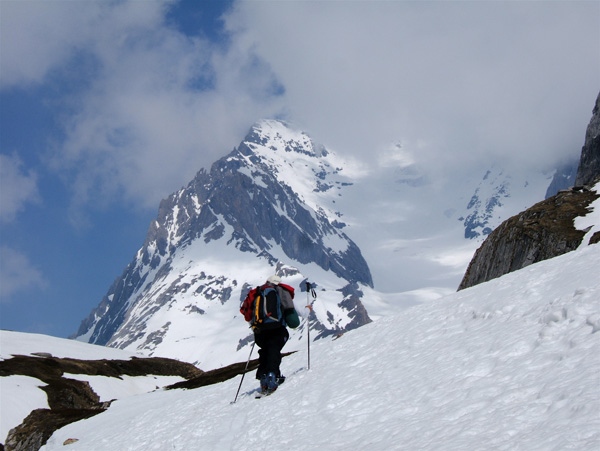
(269, 309)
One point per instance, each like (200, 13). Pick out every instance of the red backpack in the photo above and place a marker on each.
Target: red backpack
(258, 310)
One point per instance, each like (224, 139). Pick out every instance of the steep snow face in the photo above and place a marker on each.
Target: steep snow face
(508, 364)
(295, 183)
(268, 207)
(498, 196)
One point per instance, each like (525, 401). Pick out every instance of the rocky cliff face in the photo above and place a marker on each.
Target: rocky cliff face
(589, 165)
(547, 229)
(563, 178)
(543, 231)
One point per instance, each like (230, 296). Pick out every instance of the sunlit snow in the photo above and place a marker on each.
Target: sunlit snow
(510, 364)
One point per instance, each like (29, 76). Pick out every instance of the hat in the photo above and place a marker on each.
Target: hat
(274, 279)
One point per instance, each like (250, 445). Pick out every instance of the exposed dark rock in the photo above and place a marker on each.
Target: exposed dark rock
(72, 400)
(589, 164)
(218, 375)
(357, 311)
(45, 369)
(39, 426)
(543, 231)
(48, 369)
(64, 393)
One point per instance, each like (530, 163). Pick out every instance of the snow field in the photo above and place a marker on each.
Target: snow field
(511, 364)
(221, 329)
(20, 343)
(109, 388)
(19, 395)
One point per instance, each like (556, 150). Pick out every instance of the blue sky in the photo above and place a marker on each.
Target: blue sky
(107, 107)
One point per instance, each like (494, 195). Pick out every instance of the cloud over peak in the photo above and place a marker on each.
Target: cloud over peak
(145, 106)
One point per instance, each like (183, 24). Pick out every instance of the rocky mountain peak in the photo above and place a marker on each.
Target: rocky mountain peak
(275, 135)
(267, 207)
(589, 164)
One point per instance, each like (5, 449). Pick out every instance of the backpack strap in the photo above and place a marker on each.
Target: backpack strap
(288, 289)
(258, 298)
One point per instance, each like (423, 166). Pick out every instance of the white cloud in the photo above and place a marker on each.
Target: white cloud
(512, 81)
(16, 187)
(144, 130)
(17, 273)
(37, 36)
(503, 80)
(149, 106)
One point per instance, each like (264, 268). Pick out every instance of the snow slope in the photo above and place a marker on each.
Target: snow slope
(282, 199)
(19, 395)
(20, 343)
(511, 364)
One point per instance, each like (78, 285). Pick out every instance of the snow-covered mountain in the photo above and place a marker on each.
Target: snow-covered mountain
(267, 207)
(499, 195)
(509, 364)
(375, 236)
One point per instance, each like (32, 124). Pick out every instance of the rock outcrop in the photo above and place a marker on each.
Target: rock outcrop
(543, 231)
(589, 164)
(72, 400)
(547, 229)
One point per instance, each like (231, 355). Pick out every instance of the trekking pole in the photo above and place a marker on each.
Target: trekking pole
(308, 319)
(244, 373)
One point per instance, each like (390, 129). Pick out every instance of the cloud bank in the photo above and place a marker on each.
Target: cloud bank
(145, 106)
(467, 80)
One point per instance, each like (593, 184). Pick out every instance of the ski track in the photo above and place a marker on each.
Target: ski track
(511, 364)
